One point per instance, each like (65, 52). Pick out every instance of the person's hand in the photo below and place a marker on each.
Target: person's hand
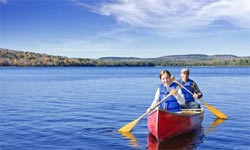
(195, 96)
(174, 91)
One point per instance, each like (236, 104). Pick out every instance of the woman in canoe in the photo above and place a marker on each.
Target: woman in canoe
(173, 102)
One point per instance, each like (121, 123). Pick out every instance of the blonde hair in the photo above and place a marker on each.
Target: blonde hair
(164, 72)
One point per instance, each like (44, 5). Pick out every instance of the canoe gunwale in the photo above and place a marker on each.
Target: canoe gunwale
(197, 112)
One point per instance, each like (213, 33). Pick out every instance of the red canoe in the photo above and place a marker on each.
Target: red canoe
(164, 124)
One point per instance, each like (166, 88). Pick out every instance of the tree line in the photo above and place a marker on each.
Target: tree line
(19, 58)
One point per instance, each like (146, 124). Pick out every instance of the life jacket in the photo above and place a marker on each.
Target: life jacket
(188, 97)
(171, 103)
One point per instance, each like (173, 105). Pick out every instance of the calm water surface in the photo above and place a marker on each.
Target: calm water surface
(82, 108)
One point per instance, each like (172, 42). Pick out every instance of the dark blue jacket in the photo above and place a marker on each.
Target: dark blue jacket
(188, 97)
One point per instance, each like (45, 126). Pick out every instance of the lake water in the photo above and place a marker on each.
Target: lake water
(82, 108)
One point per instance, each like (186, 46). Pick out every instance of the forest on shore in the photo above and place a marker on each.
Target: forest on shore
(21, 58)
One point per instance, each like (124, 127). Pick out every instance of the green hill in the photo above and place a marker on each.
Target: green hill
(21, 58)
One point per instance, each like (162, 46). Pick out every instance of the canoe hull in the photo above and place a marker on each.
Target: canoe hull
(164, 125)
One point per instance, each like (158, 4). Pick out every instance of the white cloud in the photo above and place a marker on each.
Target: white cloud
(234, 12)
(181, 14)
(3, 1)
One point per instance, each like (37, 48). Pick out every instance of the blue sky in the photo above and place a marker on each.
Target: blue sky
(126, 28)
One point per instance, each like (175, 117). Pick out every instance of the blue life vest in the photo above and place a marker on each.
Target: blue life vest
(188, 97)
(171, 103)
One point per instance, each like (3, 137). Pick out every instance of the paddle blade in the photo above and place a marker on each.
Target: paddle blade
(216, 112)
(128, 127)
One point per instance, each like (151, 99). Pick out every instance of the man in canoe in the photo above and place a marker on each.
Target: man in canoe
(172, 103)
(192, 87)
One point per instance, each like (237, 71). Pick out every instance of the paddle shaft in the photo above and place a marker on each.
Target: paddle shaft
(188, 91)
(128, 127)
(212, 109)
(156, 105)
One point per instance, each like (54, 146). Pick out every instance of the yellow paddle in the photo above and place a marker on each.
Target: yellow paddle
(128, 127)
(212, 109)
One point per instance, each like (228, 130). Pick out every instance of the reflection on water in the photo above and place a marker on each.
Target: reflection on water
(130, 136)
(213, 125)
(186, 141)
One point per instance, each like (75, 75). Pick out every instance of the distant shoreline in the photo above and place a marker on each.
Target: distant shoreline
(30, 59)
(122, 66)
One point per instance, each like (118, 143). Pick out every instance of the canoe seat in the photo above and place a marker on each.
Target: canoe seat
(190, 111)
